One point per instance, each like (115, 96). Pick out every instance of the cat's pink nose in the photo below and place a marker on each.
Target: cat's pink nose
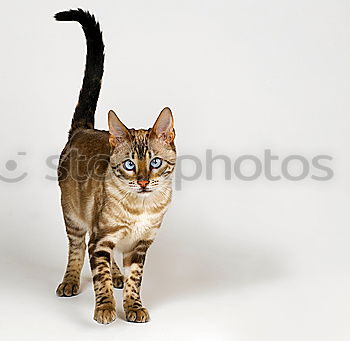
(143, 183)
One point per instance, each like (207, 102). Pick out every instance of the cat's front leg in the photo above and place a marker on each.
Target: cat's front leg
(133, 263)
(100, 251)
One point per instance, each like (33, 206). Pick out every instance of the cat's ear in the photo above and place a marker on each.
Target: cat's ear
(119, 133)
(163, 128)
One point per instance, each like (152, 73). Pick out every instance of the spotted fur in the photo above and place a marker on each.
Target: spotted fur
(118, 208)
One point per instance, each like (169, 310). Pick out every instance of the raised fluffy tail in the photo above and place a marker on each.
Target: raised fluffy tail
(85, 110)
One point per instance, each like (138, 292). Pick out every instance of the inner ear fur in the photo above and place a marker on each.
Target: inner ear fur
(163, 128)
(118, 131)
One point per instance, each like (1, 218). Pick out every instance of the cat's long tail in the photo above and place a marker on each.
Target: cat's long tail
(85, 110)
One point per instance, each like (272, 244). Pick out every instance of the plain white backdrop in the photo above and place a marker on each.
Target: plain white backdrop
(234, 260)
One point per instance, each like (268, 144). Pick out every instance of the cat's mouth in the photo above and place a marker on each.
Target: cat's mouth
(144, 190)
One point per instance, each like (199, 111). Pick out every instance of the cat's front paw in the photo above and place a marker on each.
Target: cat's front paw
(67, 289)
(105, 314)
(139, 315)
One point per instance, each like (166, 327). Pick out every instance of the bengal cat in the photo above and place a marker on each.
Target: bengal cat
(115, 185)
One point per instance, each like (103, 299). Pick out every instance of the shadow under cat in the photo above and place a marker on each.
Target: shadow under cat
(181, 263)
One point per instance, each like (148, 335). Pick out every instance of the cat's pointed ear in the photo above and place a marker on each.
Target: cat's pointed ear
(163, 128)
(119, 133)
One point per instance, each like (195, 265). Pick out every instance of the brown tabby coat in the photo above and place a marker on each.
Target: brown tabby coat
(119, 207)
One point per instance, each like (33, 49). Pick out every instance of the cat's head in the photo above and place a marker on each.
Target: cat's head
(143, 161)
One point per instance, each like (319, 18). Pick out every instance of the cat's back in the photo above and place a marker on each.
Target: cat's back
(85, 155)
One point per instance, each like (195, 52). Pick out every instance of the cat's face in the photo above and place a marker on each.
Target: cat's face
(143, 161)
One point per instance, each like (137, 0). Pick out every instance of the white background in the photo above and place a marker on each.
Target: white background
(234, 260)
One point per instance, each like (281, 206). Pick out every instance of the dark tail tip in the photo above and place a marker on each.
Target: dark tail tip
(83, 17)
(70, 15)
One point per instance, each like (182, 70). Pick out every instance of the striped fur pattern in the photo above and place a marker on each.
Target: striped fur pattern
(115, 186)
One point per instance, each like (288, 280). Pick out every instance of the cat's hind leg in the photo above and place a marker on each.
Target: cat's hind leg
(76, 253)
(117, 276)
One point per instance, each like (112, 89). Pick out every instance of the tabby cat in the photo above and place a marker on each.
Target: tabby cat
(115, 185)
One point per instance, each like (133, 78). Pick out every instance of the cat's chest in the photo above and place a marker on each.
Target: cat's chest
(141, 227)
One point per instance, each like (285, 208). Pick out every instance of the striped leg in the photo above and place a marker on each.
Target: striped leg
(71, 280)
(133, 263)
(117, 276)
(101, 253)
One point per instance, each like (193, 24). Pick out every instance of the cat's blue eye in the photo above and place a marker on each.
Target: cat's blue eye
(129, 165)
(156, 162)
